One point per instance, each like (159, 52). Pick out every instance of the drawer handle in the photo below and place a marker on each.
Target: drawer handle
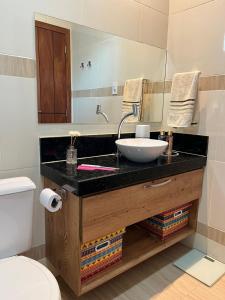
(102, 246)
(177, 213)
(148, 186)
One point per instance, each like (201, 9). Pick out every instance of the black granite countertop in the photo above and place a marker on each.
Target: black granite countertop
(84, 183)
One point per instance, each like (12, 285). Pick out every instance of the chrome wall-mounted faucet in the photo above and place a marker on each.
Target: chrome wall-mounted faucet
(100, 112)
(134, 113)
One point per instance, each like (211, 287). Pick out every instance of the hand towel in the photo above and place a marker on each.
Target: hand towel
(184, 93)
(132, 94)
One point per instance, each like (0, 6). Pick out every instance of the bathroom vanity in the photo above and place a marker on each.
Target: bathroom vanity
(97, 203)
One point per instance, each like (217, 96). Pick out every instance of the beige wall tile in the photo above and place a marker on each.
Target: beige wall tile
(204, 206)
(196, 44)
(217, 201)
(206, 245)
(160, 5)
(208, 83)
(219, 147)
(17, 66)
(150, 20)
(211, 233)
(18, 130)
(211, 110)
(115, 16)
(180, 5)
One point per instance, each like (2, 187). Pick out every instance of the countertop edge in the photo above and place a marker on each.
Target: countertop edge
(123, 180)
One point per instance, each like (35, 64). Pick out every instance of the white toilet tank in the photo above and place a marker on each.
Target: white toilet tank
(16, 212)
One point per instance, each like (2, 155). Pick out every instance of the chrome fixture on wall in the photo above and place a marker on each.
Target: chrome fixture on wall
(100, 112)
(133, 113)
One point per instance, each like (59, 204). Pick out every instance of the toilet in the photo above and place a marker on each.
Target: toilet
(21, 278)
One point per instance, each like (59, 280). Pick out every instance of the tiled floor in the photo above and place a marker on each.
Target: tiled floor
(154, 279)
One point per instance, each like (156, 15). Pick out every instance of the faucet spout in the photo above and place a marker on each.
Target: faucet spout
(134, 113)
(100, 112)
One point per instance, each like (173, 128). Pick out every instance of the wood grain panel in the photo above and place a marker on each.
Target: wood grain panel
(53, 73)
(59, 45)
(45, 69)
(137, 247)
(60, 118)
(106, 212)
(63, 239)
(46, 118)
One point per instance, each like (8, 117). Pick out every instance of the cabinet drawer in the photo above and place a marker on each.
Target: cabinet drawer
(107, 212)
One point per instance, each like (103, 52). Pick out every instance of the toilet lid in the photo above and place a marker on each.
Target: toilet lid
(22, 278)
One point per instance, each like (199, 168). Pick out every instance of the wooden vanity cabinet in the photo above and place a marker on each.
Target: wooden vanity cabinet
(85, 219)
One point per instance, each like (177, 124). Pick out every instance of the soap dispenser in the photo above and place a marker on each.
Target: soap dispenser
(162, 136)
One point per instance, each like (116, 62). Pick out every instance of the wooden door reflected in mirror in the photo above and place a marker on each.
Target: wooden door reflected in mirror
(53, 73)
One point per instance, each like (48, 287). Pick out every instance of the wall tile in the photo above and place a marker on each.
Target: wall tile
(17, 66)
(22, 24)
(180, 5)
(196, 44)
(150, 20)
(18, 123)
(204, 207)
(115, 16)
(217, 201)
(38, 211)
(211, 233)
(207, 246)
(219, 147)
(212, 110)
(160, 5)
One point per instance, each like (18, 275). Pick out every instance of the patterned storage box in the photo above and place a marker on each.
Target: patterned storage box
(169, 222)
(99, 254)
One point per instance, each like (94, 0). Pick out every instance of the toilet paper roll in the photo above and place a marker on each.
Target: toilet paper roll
(142, 131)
(50, 200)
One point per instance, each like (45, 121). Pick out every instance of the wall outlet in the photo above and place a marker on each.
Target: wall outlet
(115, 88)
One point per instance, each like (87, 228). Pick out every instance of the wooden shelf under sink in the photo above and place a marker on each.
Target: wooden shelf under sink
(80, 219)
(138, 246)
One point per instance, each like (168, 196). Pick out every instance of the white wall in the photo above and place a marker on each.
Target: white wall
(19, 131)
(196, 41)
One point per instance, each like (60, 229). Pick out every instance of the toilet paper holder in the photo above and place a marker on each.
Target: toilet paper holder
(61, 192)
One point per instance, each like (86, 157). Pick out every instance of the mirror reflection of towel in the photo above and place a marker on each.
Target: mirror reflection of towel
(184, 93)
(132, 94)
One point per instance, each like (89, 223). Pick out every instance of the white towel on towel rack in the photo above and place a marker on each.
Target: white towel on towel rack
(132, 94)
(184, 93)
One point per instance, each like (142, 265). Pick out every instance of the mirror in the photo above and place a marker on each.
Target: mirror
(82, 72)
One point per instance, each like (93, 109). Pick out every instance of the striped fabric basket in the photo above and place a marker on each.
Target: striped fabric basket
(99, 254)
(169, 222)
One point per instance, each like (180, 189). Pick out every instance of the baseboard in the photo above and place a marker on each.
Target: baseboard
(36, 253)
(211, 233)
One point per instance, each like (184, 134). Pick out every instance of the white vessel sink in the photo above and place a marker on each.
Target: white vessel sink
(141, 150)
